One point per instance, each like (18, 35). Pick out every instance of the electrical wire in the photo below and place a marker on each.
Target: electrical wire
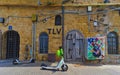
(82, 12)
(77, 12)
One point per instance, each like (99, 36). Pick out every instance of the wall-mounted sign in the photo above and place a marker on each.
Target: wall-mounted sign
(34, 17)
(1, 20)
(89, 9)
(54, 30)
(9, 27)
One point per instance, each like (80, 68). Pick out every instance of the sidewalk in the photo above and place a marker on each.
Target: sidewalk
(74, 69)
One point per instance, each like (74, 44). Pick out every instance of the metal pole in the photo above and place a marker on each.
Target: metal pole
(33, 39)
(63, 27)
(0, 44)
(89, 16)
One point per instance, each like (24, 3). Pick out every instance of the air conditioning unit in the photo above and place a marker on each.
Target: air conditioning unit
(104, 19)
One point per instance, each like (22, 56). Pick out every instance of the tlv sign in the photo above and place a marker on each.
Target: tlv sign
(54, 31)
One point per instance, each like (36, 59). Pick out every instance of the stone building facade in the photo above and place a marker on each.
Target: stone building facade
(20, 36)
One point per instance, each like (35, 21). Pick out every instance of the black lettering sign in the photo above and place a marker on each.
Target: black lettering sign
(49, 30)
(58, 30)
(54, 31)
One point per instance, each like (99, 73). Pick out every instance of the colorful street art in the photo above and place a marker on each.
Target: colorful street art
(95, 48)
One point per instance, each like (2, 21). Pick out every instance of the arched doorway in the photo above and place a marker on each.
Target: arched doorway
(12, 44)
(74, 46)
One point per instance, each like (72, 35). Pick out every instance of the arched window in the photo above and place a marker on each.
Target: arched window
(58, 20)
(43, 45)
(112, 40)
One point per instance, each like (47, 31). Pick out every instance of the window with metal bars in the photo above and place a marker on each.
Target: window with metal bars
(43, 43)
(112, 40)
(13, 41)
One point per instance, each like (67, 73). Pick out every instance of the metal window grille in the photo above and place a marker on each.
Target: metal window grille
(43, 39)
(13, 41)
(112, 40)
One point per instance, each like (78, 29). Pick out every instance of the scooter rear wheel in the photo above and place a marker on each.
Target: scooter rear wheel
(64, 67)
(43, 65)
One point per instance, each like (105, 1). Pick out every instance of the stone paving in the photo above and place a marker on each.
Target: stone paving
(74, 69)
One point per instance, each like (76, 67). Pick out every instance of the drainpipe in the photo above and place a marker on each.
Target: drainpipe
(1, 44)
(63, 27)
(89, 16)
(34, 39)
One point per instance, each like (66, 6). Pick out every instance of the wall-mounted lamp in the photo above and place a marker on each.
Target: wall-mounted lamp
(44, 20)
(95, 23)
(2, 20)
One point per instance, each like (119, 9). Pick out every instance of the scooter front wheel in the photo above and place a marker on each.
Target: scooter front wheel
(64, 67)
(14, 62)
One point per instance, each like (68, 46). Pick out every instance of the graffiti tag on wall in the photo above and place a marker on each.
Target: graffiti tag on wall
(95, 48)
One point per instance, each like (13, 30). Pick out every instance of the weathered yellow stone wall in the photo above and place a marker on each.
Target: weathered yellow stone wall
(78, 22)
(72, 22)
(115, 25)
(51, 2)
(30, 2)
(22, 25)
(93, 1)
(87, 1)
(55, 40)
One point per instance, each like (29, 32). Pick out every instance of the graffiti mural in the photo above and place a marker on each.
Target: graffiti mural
(95, 48)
